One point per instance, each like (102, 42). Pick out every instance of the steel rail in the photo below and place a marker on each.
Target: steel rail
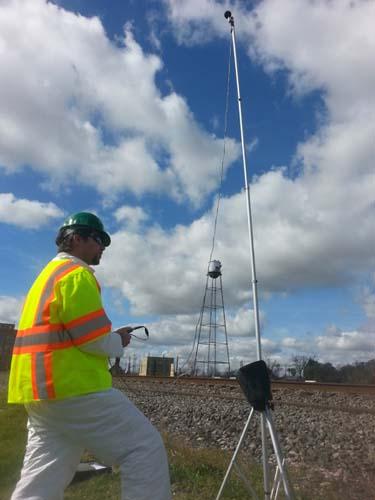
(276, 384)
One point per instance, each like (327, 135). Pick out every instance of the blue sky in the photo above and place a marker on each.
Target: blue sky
(118, 108)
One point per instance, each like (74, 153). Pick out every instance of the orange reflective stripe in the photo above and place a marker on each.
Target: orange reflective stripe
(49, 377)
(93, 335)
(42, 376)
(42, 311)
(33, 376)
(41, 347)
(85, 318)
(50, 339)
(89, 327)
(46, 290)
(40, 329)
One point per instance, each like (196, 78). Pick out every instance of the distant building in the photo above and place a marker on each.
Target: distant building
(157, 367)
(7, 337)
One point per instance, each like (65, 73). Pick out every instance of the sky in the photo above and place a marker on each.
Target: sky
(123, 108)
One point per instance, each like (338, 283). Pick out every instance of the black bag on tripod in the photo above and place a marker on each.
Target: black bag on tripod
(255, 383)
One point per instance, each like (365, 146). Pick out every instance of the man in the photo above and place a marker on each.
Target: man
(60, 373)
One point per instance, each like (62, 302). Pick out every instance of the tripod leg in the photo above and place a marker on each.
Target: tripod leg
(266, 469)
(276, 483)
(235, 454)
(279, 458)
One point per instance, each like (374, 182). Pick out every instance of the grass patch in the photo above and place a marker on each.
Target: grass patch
(103, 486)
(13, 440)
(198, 473)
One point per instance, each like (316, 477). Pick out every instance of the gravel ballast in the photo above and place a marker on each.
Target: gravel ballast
(334, 432)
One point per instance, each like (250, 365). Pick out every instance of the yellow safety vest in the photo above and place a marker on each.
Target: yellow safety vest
(62, 311)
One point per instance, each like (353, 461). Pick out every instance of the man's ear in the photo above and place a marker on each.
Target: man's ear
(76, 239)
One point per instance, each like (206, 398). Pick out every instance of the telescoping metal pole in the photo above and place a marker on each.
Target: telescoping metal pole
(266, 473)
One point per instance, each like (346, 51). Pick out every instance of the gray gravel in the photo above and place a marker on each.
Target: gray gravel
(335, 432)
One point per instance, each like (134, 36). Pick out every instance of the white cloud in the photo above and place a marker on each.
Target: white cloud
(62, 99)
(177, 334)
(244, 350)
(293, 343)
(174, 333)
(331, 53)
(347, 347)
(298, 242)
(242, 322)
(155, 270)
(174, 330)
(27, 214)
(131, 217)
(197, 21)
(10, 308)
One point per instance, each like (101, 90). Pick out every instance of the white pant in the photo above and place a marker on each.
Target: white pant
(108, 425)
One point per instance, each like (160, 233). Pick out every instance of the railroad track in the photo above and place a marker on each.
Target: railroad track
(276, 384)
(277, 404)
(142, 387)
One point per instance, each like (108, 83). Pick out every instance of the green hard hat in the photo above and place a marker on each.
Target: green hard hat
(86, 220)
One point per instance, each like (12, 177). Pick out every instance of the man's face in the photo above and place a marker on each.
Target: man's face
(88, 249)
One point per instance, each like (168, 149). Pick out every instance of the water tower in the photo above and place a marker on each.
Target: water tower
(212, 354)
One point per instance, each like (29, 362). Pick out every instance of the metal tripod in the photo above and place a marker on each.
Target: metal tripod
(281, 474)
(265, 415)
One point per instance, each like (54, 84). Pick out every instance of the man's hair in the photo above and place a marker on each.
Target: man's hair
(65, 243)
(64, 240)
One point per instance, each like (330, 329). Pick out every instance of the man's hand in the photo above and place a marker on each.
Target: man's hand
(124, 333)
